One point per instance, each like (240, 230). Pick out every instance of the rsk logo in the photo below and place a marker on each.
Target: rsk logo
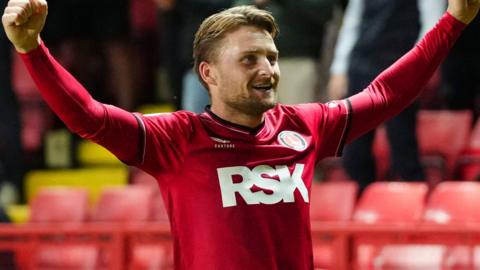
(264, 177)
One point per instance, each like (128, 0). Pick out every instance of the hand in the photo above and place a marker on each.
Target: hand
(23, 20)
(337, 86)
(463, 10)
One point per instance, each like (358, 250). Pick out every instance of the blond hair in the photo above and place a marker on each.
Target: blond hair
(213, 30)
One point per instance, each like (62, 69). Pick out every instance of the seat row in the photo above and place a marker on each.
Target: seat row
(449, 148)
(399, 204)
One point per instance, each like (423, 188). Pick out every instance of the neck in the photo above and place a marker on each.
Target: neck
(237, 117)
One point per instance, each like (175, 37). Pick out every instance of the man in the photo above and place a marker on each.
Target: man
(234, 179)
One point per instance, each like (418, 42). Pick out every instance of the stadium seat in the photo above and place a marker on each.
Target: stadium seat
(333, 200)
(92, 179)
(388, 203)
(410, 257)
(456, 203)
(150, 257)
(469, 162)
(442, 135)
(78, 257)
(139, 177)
(59, 205)
(131, 203)
(330, 201)
(391, 202)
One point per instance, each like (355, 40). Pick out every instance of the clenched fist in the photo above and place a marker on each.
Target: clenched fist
(23, 20)
(463, 10)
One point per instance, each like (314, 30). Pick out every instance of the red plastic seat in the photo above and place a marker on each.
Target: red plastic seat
(59, 205)
(159, 212)
(124, 204)
(387, 203)
(78, 257)
(330, 201)
(410, 257)
(150, 257)
(442, 135)
(449, 202)
(469, 162)
(454, 202)
(391, 202)
(333, 200)
(457, 203)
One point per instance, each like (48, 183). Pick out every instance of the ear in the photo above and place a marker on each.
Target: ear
(208, 73)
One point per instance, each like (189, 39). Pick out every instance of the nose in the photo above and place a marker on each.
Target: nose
(266, 68)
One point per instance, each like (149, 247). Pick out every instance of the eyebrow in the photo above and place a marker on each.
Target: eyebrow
(260, 50)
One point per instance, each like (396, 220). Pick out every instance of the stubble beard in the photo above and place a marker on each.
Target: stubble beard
(252, 106)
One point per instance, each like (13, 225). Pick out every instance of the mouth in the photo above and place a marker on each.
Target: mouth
(264, 87)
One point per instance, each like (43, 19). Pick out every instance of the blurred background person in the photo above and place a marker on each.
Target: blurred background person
(11, 157)
(460, 86)
(93, 44)
(179, 20)
(374, 34)
(195, 96)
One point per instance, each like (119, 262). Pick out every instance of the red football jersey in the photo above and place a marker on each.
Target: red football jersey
(238, 198)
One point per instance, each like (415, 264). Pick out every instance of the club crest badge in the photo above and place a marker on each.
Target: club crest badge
(292, 140)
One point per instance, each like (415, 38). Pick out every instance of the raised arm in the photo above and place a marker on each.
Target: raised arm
(109, 126)
(396, 87)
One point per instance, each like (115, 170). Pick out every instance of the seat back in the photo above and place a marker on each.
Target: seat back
(475, 136)
(124, 204)
(442, 135)
(454, 202)
(75, 257)
(445, 134)
(391, 202)
(59, 204)
(333, 201)
(150, 257)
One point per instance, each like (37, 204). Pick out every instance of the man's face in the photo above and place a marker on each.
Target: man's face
(246, 72)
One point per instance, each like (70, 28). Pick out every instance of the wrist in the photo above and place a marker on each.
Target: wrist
(28, 46)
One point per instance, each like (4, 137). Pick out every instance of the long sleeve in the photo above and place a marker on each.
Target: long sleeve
(112, 127)
(397, 86)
